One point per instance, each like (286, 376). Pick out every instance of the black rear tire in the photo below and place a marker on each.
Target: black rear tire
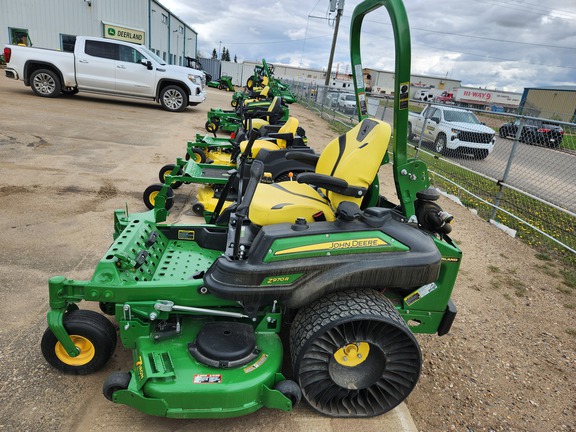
(94, 336)
(353, 355)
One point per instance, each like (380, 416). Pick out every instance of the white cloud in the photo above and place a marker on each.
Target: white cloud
(506, 45)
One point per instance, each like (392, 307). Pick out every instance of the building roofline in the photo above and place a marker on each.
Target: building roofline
(175, 16)
(558, 88)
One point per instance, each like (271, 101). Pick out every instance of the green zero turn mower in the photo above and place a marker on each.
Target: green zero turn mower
(212, 165)
(222, 83)
(204, 308)
(271, 111)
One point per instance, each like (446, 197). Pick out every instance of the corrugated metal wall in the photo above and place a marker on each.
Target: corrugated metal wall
(212, 67)
(47, 20)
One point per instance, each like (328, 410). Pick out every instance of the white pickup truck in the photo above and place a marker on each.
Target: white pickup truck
(106, 66)
(452, 129)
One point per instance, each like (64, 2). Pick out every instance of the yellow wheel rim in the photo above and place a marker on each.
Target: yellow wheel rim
(86, 354)
(352, 354)
(152, 197)
(197, 157)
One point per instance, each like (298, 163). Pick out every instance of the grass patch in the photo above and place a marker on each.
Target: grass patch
(548, 270)
(569, 278)
(549, 220)
(494, 269)
(519, 287)
(543, 257)
(571, 331)
(569, 305)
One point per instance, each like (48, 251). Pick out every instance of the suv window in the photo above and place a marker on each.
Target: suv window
(101, 49)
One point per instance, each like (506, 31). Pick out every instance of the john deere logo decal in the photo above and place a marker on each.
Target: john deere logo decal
(335, 245)
(111, 31)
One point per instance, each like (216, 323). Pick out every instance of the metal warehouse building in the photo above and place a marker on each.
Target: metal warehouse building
(555, 103)
(55, 23)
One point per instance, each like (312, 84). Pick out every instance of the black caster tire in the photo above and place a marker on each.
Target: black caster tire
(166, 170)
(353, 355)
(94, 336)
(211, 126)
(291, 390)
(152, 192)
(198, 155)
(115, 381)
(198, 209)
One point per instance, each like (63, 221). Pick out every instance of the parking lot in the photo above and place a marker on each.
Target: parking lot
(65, 165)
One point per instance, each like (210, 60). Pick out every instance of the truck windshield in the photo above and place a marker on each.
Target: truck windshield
(151, 54)
(461, 117)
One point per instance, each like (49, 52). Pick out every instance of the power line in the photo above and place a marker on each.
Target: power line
(521, 8)
(477, 37)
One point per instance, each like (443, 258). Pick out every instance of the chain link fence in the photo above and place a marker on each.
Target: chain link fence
(516, 170)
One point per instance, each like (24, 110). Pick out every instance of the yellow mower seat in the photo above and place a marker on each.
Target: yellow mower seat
(290, 127)
(354, 157)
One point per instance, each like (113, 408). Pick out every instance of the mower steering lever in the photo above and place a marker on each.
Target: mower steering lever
(169, 306)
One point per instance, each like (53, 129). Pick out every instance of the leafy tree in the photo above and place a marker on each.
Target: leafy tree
(214, 54)
(235, 59)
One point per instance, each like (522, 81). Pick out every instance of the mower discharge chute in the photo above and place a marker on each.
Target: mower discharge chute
(202, 306)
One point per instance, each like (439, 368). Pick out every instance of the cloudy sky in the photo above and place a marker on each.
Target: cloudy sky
(498, 44)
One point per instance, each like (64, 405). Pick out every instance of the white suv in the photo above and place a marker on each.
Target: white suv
(347, 102)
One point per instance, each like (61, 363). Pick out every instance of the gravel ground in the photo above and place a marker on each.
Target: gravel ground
(508, 364)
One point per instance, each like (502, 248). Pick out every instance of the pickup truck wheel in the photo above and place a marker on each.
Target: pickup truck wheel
(173, 98)
(410, 134)
(440, 144)
(45, 83)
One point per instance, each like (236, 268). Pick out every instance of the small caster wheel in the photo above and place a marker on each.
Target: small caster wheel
(151, 193)
(114, 382)
(198, 209)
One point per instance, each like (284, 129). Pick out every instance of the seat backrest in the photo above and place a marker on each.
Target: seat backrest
(274, 110)
(291, 126)
(264, 93)
(355, 157)
(265, 80)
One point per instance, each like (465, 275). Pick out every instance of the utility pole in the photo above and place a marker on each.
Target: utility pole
(336, 25)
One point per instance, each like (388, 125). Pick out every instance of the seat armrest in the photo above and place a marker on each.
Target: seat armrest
(307, 158)
(333, 184)
(284, 136)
